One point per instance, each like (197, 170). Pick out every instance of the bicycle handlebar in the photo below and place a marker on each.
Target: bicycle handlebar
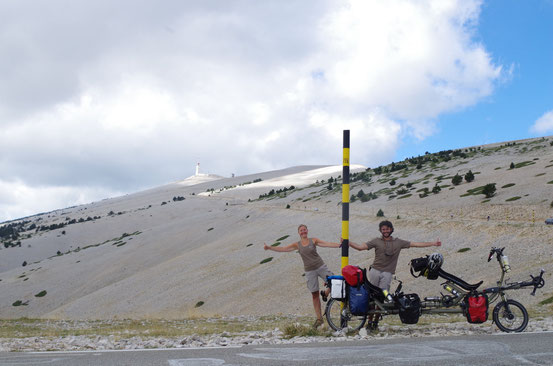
(494, 250)
(538, 282)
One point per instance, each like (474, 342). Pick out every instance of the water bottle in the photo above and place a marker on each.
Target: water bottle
(450, 289)
(505, 263)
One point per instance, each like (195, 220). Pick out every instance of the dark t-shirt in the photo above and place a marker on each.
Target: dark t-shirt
(386, 253)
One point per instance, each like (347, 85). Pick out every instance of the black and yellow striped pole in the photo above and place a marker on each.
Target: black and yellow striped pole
(345, 201)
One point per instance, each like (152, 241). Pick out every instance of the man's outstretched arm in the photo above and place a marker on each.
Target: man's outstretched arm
(423, 244)
(357, 246)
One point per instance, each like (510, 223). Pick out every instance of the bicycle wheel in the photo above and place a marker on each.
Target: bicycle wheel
(510, 316)
(339, 318)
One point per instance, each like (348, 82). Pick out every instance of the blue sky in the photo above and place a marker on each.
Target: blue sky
(517, 33)
(103, 98)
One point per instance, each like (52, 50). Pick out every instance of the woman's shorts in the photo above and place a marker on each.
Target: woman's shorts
(313, 277)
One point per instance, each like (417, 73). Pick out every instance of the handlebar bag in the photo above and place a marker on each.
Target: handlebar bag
(409, 308)
(353, 275)
(419, 267)
(431, 274)
(358, 297)
(476, 308)
(337, 287)
(419, 264)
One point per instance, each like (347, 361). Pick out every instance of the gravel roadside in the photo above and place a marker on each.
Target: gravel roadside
(274, 336)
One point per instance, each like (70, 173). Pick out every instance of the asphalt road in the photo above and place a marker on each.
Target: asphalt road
(501, 349)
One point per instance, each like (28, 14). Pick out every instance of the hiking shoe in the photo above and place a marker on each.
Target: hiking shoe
(323, 295)
(372, 326)
(317, 323)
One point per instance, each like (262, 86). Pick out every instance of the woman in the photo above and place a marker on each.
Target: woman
(313, 264)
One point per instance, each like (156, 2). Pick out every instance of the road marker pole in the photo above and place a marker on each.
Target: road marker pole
(345, 201)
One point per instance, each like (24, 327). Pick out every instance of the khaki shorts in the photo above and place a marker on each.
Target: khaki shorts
(380, 278)
(313, 277)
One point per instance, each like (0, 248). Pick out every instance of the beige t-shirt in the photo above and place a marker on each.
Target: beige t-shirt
(311, 259)
(386, 253)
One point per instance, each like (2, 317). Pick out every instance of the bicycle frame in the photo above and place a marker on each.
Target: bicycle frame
(509, 315)
(499, 290)
(459, 289)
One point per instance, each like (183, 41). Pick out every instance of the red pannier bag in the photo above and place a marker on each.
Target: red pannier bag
(353, 275)
(476, 307)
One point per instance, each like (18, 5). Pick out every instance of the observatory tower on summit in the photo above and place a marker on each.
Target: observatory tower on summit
(198, 174)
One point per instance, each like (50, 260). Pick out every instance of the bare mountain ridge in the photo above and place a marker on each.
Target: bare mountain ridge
(158, 253)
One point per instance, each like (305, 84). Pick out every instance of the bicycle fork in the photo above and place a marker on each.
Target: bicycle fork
(507, 311)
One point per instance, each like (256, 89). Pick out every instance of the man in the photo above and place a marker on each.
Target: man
(386, 250)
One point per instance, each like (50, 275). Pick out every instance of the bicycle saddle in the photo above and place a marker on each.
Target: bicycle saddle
(449, 277)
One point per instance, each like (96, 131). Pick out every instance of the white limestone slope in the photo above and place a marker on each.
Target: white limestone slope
(208, 247)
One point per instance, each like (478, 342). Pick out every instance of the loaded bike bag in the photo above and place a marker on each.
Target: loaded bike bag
(358, 297)
(431, 275)
(353, 275)
(337, 287)
(476, 307)
(409, 308)
(375, 292)
(418, 266)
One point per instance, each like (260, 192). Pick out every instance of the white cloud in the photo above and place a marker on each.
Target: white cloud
(544, 124)
(20, 200)
(127, 96)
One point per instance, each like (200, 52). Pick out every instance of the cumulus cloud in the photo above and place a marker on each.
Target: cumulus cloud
(17, 199)
(544, 124)
(126, 95)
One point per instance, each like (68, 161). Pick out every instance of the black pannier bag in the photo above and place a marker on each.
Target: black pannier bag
(409, 308)
(431, 275)
(374, 291)
(419, 267)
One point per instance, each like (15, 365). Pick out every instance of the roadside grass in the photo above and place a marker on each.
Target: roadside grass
(291, 326)
(25, 327)
(547, 301)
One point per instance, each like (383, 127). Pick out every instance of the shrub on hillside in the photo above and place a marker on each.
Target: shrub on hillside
(380, 213)
(469, 177)
(457, 179)
(489, 190)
